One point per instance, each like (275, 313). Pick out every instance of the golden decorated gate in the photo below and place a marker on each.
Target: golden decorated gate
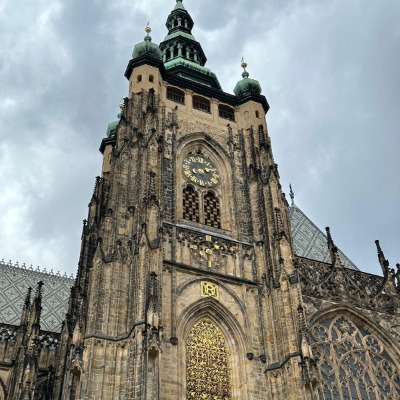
(208, 374)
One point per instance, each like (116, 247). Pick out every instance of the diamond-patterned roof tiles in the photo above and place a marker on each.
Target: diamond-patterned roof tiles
(310, 242)
(14, 283)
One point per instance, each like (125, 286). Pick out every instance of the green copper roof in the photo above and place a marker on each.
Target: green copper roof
(247, 86)
(182, 54)
(179, 34)
(194, 71)
(147, 48)
(112, 129)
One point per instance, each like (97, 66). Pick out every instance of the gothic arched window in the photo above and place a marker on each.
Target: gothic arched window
(212, 215)
(353, 363)
(207, 369)
(191, 207)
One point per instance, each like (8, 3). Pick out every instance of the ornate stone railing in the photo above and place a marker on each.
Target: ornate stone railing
(49, 340)
(342, 285)
(8, 333)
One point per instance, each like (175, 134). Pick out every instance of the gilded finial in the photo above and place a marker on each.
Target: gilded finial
(244, 64)
(148, 28)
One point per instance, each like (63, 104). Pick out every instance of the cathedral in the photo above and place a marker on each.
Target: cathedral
(197, 278)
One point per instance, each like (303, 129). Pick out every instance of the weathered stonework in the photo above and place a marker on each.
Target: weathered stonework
(148, 277)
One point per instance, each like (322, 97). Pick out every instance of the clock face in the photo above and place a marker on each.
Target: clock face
(200, 171)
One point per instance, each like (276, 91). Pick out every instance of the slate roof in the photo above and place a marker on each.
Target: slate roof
(309, 241)
(14, 283)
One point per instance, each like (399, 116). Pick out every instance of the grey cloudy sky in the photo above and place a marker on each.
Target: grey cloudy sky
(330, 70)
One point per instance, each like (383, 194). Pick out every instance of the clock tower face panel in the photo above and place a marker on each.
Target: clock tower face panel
(201, 171)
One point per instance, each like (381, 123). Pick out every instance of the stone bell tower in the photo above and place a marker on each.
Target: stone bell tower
(185, 287)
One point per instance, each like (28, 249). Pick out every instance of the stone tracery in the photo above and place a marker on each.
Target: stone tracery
(353, 362)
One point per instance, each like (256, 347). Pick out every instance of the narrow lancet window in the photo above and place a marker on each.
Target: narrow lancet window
(191, 204)
(212, 212)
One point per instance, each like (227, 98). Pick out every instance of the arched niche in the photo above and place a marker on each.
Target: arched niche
(356, 359)
(200, 144)
(212, 313)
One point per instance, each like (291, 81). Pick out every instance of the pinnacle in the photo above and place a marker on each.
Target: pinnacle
(179, 5)
(292, 195)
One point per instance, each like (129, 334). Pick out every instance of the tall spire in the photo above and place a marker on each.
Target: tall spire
(181, 53)
(180, 42)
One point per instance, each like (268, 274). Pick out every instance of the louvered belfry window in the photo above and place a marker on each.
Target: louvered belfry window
(212, 214)
(191, 209)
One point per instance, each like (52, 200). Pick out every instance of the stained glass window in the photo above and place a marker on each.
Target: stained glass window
(208, 375)
(353, 363)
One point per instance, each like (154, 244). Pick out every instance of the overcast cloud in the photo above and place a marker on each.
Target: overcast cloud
(330, 71)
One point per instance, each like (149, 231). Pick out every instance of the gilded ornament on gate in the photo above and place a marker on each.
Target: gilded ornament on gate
(208, 374)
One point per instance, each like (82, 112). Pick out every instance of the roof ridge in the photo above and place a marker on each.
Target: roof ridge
(37, 270)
